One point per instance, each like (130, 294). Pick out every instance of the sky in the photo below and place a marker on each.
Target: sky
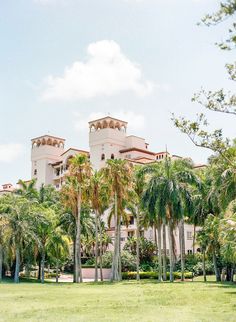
(65, 62)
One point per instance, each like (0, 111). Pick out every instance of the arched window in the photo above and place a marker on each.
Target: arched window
(112, 156)
(35, 172)
(103, 157)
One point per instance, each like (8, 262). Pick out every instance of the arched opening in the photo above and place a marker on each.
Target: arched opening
(104, 124)
(49, 142)
(103, 157)
(111, 125)
(92, 128)
(112, 156)
(35, 172)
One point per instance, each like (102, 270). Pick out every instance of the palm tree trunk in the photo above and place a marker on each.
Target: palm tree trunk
(170, 251)
(39, 267)
(17, 265)
(119, 262)
(1, 262)
(78, 268)
(96, 247)
(204, 266)
(57, 271)
(217, 273)
(74, 259)
(42, 266)
(159, 252)
(182, 247)
(100, 250)
(115, 261)
(174, 251)
(164, 250)
(194, 238)
(155, 238)
(137, 245)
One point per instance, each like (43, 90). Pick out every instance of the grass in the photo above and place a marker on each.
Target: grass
(126, 301)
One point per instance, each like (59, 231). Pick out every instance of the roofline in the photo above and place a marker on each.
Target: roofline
(163, 152)
(200, 166)
(78, 150)
(107, 117)
(137, 149)
(139, 162)
(136, 136)
(51, 136)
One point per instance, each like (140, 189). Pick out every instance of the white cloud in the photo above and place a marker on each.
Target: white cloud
(9, 152)
(135, 121)
(106, 72)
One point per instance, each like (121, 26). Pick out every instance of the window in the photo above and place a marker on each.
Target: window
(35, 172)
(112, 156)
(189, 235)
(131, 233)
(189, 251)
(122, 239)
(131, 220)
(103, 157)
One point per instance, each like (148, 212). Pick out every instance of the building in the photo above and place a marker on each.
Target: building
(6, 188)
(108, 139)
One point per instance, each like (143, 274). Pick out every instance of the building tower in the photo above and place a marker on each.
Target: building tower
(106, 138)
(46, 150)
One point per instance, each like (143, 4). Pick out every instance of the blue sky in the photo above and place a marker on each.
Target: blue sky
(63, 62)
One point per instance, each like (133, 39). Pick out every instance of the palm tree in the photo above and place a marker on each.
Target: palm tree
(168, 194)
(117, 174)
(20, 219)
(135, 206)
(80, 171)
(209, 239)
(98, 192)
(45, 230)
(57, 247)
(28, 189)
(4, 240)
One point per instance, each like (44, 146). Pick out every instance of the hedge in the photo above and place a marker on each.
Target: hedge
(153, 275)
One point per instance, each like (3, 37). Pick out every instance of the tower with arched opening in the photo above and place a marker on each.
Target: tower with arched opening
(107, 136)
(45, 150)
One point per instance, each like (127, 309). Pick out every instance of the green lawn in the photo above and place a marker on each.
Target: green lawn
(127, 301)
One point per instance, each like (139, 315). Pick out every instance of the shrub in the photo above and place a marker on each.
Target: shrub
(147, 248)
(198, 268)
(153, 275)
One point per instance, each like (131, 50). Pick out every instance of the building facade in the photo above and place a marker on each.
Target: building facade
(108, 139)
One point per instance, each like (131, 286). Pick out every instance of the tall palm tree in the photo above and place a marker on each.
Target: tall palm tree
(117, 174)
(168, 194)
(135, 206)
(80, 171)
(45, 230)
(98, 192)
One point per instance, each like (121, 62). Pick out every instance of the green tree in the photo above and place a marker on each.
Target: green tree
(117, 174)
(57, 247)
(98, 193)
(219, 101)
(80, 171)
(168, 197)
(19, 215)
